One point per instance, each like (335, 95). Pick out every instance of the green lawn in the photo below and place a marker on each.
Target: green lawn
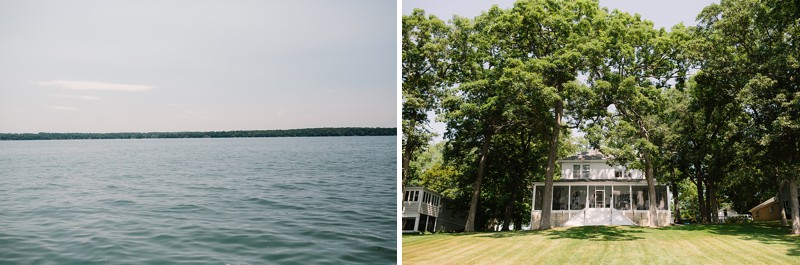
(755, 243)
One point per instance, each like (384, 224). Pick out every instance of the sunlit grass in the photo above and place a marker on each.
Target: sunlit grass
(756, 243)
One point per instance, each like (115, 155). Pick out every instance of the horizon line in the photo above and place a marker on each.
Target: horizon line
(238, 130)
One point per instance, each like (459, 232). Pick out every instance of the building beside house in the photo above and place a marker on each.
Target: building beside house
(426, 210)
(766, 211)
(592, 192)
(726, 212)
(770, 210)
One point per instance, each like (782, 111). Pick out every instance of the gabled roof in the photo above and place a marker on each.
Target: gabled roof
(763, 204)
(588, 155)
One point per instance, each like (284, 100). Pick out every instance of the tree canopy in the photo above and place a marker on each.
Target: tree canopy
(712, 110)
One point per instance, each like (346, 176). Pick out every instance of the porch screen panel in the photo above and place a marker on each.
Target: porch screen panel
(640, 198)
(622, 197)
(591, 195)
(560, 197)
(578, 198)
(539, 192)
(608, 195)
(661, 197)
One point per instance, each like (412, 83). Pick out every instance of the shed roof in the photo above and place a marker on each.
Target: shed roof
(764, 204)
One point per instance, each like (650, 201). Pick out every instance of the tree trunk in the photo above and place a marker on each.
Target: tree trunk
(406, 161)
(509, 207)
(547, 198)
(701, 202)
(712, 200)
(651, 190)
(795, 205)
(707, 203)
(518, 217)
(675, 202)
(778, 196)
(476, 188)
(408, 150)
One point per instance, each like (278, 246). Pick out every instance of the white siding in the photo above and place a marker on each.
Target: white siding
(598, 169)
(419, 206)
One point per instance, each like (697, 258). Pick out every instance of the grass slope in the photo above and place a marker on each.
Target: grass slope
(755, 243)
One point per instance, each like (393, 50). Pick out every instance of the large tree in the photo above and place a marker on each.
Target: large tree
(424, 41)
(639, 62)
(478, 107)
(554, 39)
(761, 38)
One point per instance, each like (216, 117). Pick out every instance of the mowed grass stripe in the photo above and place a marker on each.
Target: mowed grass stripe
(459, 245)
(506, 250)
(492, 252)
(738, 248)
(692, 244)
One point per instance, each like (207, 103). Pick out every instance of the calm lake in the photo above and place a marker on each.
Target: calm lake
(309, 200)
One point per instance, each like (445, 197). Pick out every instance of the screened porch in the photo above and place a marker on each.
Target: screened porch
(602, 200)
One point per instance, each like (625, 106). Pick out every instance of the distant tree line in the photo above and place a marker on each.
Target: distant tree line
(308, 132)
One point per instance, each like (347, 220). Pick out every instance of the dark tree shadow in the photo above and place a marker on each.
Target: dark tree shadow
(597, 233)
(505, 234)
(764, 232)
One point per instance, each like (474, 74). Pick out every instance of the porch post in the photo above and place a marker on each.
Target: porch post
(586, 206)
(630, 191)
(669, 211)
(533, 205)
(587, 198)
(419, 201)
(419, 207)
(569, 201)
(611, 216)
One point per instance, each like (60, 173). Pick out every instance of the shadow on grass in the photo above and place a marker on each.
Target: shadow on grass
(764, 232)
(597, 233)
(505, 234)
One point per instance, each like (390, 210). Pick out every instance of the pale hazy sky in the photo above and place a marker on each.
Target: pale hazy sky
(662, 13)
(185, 65)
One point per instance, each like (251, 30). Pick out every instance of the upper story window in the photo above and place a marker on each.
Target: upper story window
(576, 171)
(411, 195)
(585, 172)
(430, 198)
(618, 172)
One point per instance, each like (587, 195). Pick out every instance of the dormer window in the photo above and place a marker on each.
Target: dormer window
(576, 171)
(585, 172)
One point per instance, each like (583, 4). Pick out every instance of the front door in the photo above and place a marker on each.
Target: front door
(599, 199)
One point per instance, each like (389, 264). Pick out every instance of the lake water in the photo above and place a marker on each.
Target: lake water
(318, 200)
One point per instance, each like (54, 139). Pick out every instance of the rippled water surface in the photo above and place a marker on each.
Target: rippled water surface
(198, 201)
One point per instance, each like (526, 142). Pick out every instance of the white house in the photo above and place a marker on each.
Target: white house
(726, 212)
(425, 210)
(592, 192)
